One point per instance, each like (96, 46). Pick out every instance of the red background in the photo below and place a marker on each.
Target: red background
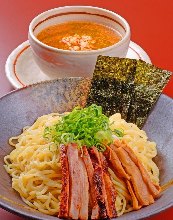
(151, 24)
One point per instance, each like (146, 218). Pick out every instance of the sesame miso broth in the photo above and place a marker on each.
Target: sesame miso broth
(79, 36)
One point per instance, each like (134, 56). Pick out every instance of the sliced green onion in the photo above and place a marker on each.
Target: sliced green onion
(119, 132)
(86, 127)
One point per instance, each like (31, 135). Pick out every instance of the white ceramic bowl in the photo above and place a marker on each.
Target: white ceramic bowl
(64, 63)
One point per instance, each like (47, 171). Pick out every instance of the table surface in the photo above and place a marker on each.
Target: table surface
(150, 22)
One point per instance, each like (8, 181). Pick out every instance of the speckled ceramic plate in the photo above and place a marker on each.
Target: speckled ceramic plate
(22, 107)
(21, 69)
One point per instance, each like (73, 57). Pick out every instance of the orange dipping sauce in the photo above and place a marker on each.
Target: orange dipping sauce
(79, 36)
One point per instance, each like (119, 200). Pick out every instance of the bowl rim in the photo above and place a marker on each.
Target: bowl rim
(125, 39)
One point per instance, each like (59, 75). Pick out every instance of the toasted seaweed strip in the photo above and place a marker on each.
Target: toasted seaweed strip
(114, 96)
(106, 93)
(121, 69)
(142, 102)
(148, 74)
(109, 88)
(149, 82)
(127, 91)
(128, 86)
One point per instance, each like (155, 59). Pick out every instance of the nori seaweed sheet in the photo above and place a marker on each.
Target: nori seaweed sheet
(143, 100)
(122, 69)
(114, 96)
(109, 84)
(127, 92)
(149, 74)
(105, 92)
(149, 82)
(130, 87)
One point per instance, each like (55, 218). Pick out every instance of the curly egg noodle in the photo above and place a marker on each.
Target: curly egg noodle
(34, 164)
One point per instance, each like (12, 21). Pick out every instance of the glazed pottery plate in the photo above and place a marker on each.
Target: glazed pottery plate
(22, 107)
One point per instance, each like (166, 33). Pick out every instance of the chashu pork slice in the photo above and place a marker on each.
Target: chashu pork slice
(143, 189)
(115, 163)
(90, 171)
(79, 186)
(117, 167)
(140, 188)
(135, 202)
(99, 183)
(64, 198)
(110, 189)
(154, 189)
(83, 212)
